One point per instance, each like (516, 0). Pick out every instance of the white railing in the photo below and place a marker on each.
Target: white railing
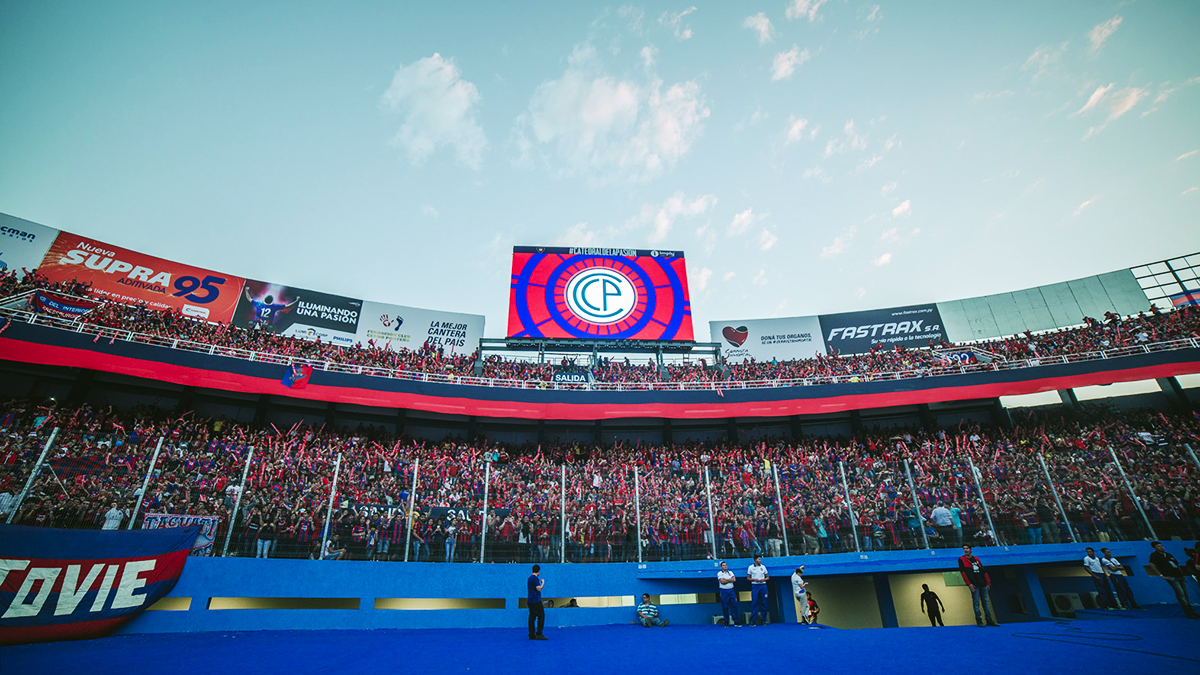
(113, 334)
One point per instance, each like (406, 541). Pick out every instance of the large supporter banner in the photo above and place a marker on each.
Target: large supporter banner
(203, 546)
(398, 327)
(599, 293)
(23, 244)
(797, 337)
(298, 312)
(78, 584)
(130, 277)
(859, 332)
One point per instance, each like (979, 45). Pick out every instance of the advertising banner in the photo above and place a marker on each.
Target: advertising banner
(599, 293)
(79, 584)
(298, 312)
(203, 544)
(858, 332)
(397, 327)
(797, 337)
(23, 244)
(131, 277)
(59, 304)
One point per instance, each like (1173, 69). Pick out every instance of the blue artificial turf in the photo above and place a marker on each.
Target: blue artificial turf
(1127, 646)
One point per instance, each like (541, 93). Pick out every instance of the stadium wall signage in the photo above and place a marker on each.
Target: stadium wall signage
(77, 584)
(43, 345)
(23, 244)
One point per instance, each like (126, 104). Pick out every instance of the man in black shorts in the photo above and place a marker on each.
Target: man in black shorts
(537, 615)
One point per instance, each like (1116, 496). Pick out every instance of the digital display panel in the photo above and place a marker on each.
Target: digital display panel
(599, 294)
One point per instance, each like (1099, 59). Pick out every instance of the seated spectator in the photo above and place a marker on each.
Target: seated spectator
(648, 613)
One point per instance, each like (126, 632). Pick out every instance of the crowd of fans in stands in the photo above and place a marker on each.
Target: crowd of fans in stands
(100, 457)
(372, 358)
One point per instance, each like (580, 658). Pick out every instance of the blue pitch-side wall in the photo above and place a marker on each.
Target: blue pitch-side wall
(204, 578)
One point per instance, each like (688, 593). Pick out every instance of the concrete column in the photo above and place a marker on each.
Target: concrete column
(666, 432)
(1000, 415)
(401, 416)
(597, 432)
(797, 430)
(856, 421)
(926, 415)
(1068, 399)
(1176, 397)
(260, 410)
(330, 408)
(731, 431)
(187, 400)
(471, 428)
(883, 595)
(80, 387)
(541, 432)
(1031, 587)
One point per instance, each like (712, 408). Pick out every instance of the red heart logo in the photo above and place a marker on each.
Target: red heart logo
(735, 336)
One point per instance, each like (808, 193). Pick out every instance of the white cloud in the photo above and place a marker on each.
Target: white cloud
(1186, 155)
(707, 237)
(429, 211)
(729, 276)
(648, 55)
(869, 162)
(882, 260)
(889, 235)
(1123, 101)
(578, 235)
(1043, 60)
(905, 209)
(699, 280)
(1165, 92)
(439, 109)
(875, 14)
(1191, 189)
(861, 292)
(851, 140)
(1081, 207)
(840, 243)
(675, 23)
(804, 8)
(744, 221)
(676, 206)
(818, 173)
(785, 63)
(890, 187)
(797, 128)
(759, 23)
(760, 279)
(601, 126)
(1094, 99)
(989, 95)
(766, 239)
(1102, 31)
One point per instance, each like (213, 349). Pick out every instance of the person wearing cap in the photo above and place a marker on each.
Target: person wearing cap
(725, 579)
(757, 575)
(800, 591)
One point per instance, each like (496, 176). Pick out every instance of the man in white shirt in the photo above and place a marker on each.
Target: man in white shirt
(725, 579)
(757, 575)
(799, 589)
(1116, 578)
(943, 520)
(1096, 570)
(113, 518)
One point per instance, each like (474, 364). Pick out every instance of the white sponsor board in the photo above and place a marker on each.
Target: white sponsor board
(396, 326)
(23, 244)
(765, 339)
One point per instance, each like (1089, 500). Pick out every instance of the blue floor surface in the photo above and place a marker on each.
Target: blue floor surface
(1120, 646)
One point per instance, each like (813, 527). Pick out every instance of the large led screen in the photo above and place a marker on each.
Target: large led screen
(599, 293)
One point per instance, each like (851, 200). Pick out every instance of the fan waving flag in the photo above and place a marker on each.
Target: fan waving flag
(296, 377)
(80, 584)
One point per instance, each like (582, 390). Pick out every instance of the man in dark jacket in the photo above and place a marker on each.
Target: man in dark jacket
(979, 582)
(1168, 569)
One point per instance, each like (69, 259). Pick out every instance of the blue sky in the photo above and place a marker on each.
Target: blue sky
(809, 156)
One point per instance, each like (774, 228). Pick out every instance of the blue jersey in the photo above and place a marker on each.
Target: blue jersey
(532, 584)
(267, 313)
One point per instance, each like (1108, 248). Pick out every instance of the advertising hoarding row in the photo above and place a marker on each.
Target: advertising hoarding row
(119, 274)
(599, 293)
(804, 337)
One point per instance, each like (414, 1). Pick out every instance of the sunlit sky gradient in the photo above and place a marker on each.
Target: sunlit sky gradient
(809, 156)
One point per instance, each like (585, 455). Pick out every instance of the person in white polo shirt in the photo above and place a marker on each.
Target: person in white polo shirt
(757, 575)
(1096, 569)
(725, 579)
(800, 591)
(1116, 577)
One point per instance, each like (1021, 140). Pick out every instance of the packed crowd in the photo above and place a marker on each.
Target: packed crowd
(770, 496)
(382, 359)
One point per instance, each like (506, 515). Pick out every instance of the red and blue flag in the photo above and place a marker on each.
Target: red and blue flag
(296, 377)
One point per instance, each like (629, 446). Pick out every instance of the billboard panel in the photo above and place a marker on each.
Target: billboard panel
(396, 327)
(858, 332)
(298, 312)
(131, 277)
(599, 293)
(23, 244)
(797, 337)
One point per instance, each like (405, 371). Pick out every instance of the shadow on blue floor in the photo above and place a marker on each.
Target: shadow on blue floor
(1129, 646)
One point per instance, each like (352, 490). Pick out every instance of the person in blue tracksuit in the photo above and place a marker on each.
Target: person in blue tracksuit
(725, 579)
(758, 577)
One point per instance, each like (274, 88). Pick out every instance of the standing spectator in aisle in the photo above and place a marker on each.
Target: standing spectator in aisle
(1096, 569)
(979, 582)
(808, 528)
(266, 537)
(537, 614)
(758, 577)
(943, 521)
(1116, 575)
(800, 591)
(956, 515)
(113, 518)
(725, 579)
(1168, 569)
(648, 613)
(932, 606)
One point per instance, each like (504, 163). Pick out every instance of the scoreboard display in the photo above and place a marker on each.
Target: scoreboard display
(599, 294)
